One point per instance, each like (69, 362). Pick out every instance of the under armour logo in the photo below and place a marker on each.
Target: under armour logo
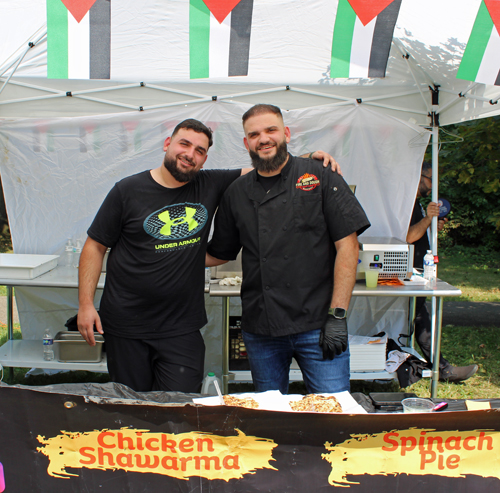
(172, 223)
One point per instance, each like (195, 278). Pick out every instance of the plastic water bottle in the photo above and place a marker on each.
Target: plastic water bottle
(48, 346)
(208, 386)
(429, 266)
(66, 259)
(77, 250)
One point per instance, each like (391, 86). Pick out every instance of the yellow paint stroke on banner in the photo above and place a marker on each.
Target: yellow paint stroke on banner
(415, 452)
(177, 455)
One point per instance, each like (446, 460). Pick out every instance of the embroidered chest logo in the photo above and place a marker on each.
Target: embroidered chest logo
(307, 182)
(176, 222)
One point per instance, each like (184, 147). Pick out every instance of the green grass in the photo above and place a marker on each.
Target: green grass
(475, 273)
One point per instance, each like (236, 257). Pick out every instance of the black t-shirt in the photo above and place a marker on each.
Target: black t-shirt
(155, 271)
(288, 237)
(422, 244)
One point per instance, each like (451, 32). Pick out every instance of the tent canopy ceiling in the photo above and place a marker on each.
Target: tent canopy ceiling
(290, 59)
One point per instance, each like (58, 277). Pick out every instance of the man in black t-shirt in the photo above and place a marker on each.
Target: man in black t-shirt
(418, 235)
(157, 224)
(152, 309)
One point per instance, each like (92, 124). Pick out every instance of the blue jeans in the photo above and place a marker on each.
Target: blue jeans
(270, 359)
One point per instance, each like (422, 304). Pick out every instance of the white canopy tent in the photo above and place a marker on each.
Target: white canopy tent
(66, 140)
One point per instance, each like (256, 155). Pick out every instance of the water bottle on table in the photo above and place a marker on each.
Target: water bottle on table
(429, 266)
(66, 259)
(48, 346)
(77, 250)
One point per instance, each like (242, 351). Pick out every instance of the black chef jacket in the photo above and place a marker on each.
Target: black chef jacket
(288, 240)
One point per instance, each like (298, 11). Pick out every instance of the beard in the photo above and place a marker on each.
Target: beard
(270, 164)
(181, 176)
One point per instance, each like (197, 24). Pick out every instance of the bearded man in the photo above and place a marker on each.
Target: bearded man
(157, 224)
(298, 227)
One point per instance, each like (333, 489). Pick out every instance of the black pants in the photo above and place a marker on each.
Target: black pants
(423, 333)
(169, 364)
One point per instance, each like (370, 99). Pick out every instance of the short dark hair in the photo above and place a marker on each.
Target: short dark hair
(197, 126)
(426, 166)
(258, 109)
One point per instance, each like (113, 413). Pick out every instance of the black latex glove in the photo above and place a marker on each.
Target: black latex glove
(333, 337)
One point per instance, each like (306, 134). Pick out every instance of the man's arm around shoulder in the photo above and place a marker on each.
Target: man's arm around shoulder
(88, 276)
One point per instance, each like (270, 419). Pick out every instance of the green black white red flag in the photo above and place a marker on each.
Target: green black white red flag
(219, 37)
(481, 59)
(78, 39)
(362, 37)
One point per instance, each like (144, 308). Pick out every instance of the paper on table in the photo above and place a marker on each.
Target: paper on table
(415, 280)
(274, 400)
(357, 340)
(477, 406)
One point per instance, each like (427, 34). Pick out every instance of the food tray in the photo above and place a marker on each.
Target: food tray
(25, 265)
(73, 347)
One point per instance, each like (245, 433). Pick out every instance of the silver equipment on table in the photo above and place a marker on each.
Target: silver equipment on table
(390, 256)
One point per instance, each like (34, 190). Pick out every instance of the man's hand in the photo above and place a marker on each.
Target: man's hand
(87, 318)
(333, 337)
(432, 209)
(326, 158)
(441, 223)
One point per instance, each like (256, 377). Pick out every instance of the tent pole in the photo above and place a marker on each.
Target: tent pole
(435, 321)
(31, 44)
(15, 68)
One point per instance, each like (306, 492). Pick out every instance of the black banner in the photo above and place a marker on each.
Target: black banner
(55, 442)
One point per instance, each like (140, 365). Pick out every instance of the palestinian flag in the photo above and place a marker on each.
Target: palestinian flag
(78, 39)
(362, 37)
(219, 37)
(481, 60)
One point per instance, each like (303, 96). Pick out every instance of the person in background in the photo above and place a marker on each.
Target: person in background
(418, 235)
(157, 224)
(298, 227)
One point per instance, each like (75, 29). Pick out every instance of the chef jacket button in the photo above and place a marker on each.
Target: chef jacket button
(286, 257)
(287, 284)
(264, 259)
(284, 228)
(268, 288)
(334, 189)
(284, 201)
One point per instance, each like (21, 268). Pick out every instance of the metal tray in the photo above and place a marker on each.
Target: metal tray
(74, 349)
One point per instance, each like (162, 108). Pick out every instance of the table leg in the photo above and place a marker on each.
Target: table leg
(436, 350)
(225, 344)
(411, 321)
(9, 377)
(10, 312)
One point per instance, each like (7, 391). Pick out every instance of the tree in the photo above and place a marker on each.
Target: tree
(469, 168)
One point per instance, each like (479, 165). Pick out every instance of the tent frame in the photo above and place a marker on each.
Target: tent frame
(432, 111)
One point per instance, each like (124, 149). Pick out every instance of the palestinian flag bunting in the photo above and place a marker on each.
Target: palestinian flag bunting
(219, 37)
(78, 39)
(362, 37)
(481, 60)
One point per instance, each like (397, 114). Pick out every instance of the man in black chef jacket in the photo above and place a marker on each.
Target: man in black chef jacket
(419, 236)
(298, 227)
